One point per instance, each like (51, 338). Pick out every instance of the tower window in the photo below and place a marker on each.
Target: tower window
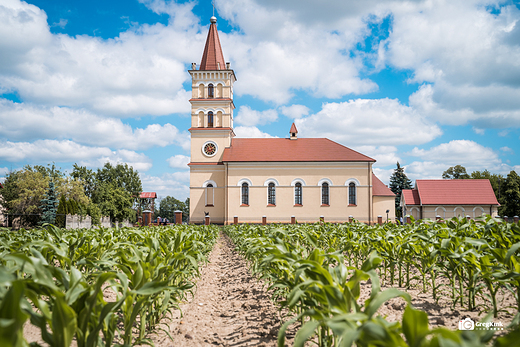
(245, 193)
(271, 194)
(325, 194)
(211, 93)
(210, 119)
(352, 193)
(298, 194)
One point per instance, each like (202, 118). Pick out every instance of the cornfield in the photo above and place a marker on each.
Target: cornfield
(55, 279)
(315, 272)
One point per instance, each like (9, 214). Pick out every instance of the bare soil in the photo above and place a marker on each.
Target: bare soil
(230, 307)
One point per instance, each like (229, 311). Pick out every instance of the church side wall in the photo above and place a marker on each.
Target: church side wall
(383, 203)
(285, 175)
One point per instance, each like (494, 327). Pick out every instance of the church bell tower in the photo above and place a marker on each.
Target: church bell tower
(211, 128)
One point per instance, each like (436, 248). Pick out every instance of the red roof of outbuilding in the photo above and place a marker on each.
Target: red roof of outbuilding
(148, 195)
(454, 192)
(286, 150)
(410, 196)
(212, 56)
(379, 188)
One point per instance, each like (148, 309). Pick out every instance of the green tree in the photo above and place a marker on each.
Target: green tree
(455, 172)
(32, 185)
(87, 177)
(169, 205)
(49, 205)
(10, 192)
(114, 201)
(121, 176)
(62, 212)
(398, 182)
(511, 195)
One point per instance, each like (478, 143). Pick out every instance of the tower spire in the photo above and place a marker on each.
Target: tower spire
(213, 58)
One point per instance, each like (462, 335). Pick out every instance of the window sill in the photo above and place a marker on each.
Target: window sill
(298, 205)
(244, 205)
(271, 205)
(352, 205)
(325, 205)
(209, 206)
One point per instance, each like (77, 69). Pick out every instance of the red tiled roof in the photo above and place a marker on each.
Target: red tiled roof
(212, 51)
(410, 196)
(150, 195)
(456, 192)
(286, 150)
(379, 188)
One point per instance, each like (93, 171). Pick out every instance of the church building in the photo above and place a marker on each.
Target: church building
(270, 179)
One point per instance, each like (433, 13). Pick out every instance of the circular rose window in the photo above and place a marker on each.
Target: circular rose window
(210, 149)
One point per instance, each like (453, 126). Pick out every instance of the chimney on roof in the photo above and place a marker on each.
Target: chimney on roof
(293, 132)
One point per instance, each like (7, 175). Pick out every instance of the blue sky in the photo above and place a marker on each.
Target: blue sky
(430, 84)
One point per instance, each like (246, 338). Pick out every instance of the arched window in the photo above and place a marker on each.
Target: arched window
(352, 193)
(210, 91)
(210, 197)
(210, 119)
(325, 194)
(271, 194)
(298, 194)
(245, 193)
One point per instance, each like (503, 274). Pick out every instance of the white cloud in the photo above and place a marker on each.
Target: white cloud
(249, 117)
(469, 154)
(294, 111)
(139, 72)
(45, 151)
(251, 132)
(36, 122)
(62, 23)
(484, 107)
(468, 55)
(179, 161)
(378, 122)
(384, 155)
(174, 184)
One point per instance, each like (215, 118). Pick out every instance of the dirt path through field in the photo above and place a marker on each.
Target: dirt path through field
(230, 307)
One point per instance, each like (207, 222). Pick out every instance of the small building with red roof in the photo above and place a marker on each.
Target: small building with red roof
(450, 198)
(251, 179)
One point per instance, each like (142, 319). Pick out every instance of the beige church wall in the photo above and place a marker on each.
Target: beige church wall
(311, 209)
(383, 203)
(199, 175)
(198, 199)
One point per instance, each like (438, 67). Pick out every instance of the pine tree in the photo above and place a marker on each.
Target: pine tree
(512, 195)
(398, 182)
(62, 212)
(49, 205)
